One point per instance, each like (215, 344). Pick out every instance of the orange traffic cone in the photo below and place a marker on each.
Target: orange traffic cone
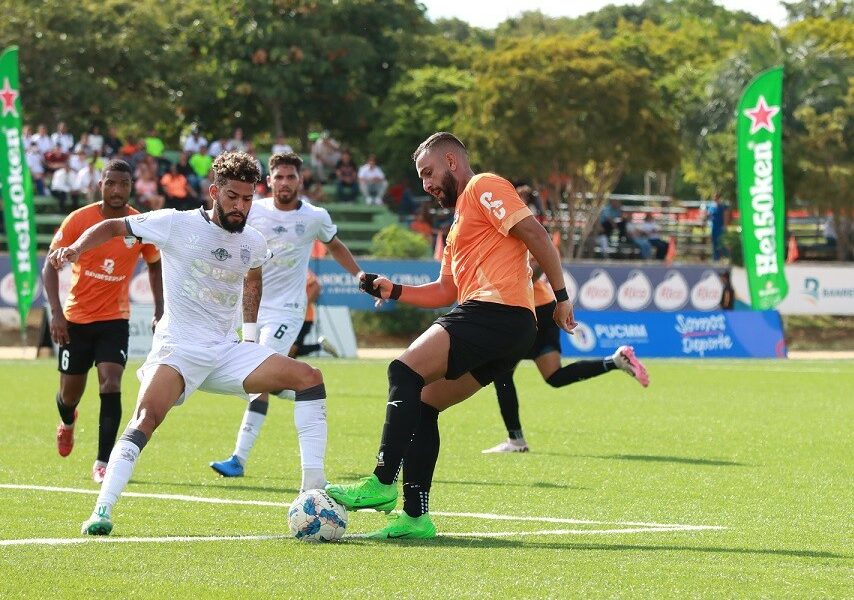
(671, 251)
(792, 254)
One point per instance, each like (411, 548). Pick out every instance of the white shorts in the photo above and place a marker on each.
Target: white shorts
(279, 330)
(219, 369)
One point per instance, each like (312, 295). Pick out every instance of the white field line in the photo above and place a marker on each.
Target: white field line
(244, 538)
(625, 526)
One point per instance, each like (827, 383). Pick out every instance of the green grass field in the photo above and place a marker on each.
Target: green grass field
(761, 450)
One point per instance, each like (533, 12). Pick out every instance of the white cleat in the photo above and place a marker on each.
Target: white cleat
(508, 445)
(626, 360)
(327, 346)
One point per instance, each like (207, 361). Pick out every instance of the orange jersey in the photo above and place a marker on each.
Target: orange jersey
(101, 278)
(487, 263)
(543, 293)
(310, 279)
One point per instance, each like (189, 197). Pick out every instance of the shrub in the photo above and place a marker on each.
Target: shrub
(396, 242)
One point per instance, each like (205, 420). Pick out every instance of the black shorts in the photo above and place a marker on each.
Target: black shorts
(487, 339)
(94, 343)
(548, 333)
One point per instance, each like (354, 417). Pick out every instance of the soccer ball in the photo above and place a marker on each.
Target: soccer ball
(315, 517)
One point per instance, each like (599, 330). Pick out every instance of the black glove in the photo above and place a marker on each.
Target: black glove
(367, 285)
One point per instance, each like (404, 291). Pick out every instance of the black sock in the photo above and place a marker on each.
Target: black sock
(108, 423)
(508, 402)
(305, 349)
(420, 463)
(578, 371)
(66, 413)
(401, 419)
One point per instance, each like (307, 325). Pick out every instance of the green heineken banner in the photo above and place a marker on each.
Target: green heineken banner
(760, 188)
(16, 186)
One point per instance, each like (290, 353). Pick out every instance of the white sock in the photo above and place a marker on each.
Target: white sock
(119, 469)
(310, 421)
(249, 430)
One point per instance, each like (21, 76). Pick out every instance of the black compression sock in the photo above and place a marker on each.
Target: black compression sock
(577, 371)
(108, 423)
(420, 463)
(508, 402)
(66, 413)
(401, 419)
(307, 349)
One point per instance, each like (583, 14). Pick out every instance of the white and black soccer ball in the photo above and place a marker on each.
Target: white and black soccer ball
(315, 517)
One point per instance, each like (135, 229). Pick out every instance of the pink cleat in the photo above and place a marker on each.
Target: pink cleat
(626, 360)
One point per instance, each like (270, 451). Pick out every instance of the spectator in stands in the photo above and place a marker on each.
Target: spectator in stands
(146, 190)
(532, 200)
(372, 181)
(42, 139)
(55, 158)
(311, 187)
(179, 194)
(346, 175)
(78, 159)
(87, 181)
(82, 145)
(218, 146)
(201, 163)
(646, 237)
(185, 169)
(237, 143)
(62, 187)
(281, 146)
(829, 232)
(36, 164)
(96, 140)
(112, 143)
(195, 141)
(717, 215)
(154, 146)
(423, 222)
(325, 155)
(62, 138)
(612, 217)
(250, 150)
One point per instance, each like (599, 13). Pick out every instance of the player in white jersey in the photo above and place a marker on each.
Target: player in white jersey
(208, 258)
(290, 226)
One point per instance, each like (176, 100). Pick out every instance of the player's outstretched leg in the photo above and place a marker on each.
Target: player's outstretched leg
(418, 466)
(624, 358)
(65, 429)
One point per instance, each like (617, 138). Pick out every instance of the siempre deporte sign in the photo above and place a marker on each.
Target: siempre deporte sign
(741, 334)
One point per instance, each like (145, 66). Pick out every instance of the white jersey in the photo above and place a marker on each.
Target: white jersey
(290, 235)
(203, 270)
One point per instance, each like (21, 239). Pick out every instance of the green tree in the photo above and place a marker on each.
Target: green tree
(421, 102)
(566, 110)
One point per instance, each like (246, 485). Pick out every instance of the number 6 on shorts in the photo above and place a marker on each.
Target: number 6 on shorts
(280, 332)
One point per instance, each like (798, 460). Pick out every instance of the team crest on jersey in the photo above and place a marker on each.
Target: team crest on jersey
(129, 241)
(300, 228)
(280, 229)
(221, 254)
(244, 253)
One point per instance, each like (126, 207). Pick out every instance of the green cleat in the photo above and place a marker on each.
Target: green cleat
(99, 523)
(403, 526)
(367, 493)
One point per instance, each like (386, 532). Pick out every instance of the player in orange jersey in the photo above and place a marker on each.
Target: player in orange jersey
(546, 355)
(485, 270)
(92, 327)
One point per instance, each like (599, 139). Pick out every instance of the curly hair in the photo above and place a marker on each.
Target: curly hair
(235, 166)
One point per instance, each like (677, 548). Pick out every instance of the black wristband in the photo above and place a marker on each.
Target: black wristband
(367, 285)
(561, 295)
(396, 291)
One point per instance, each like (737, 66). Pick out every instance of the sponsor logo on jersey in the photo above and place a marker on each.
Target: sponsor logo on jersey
(221, 254)
(244, 253)
(280, 229)
(300, 228)
(108, 266)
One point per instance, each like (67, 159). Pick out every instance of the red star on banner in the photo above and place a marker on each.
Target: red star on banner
(760, 116)
(8, 97)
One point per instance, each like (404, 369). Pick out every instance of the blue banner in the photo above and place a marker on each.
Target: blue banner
(742, 334)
